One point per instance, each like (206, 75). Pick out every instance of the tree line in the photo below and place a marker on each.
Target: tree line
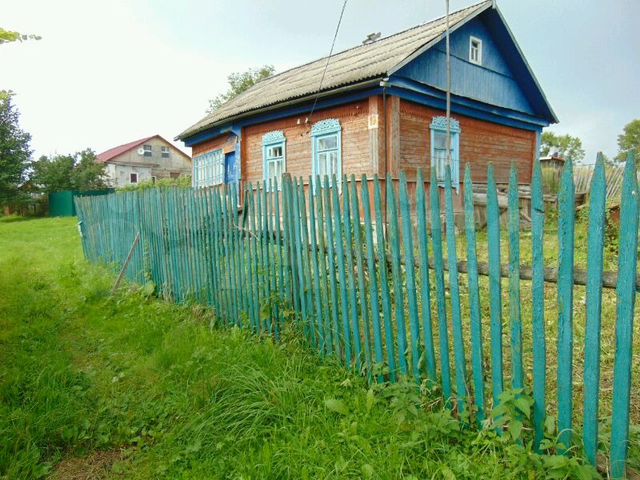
(21, 176)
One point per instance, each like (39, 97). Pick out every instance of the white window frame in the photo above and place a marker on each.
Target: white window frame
(165, 152)
(270, 141)
(209, 169)
(133, 175)
(439, 126)
(321, 130)
(478, 50)
(148, 150)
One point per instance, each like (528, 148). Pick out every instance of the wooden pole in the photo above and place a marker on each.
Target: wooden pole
(123, 270)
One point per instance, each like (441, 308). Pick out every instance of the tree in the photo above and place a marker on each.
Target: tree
(88, 174)
(239, 82)
(14, 150)
(566, 146)
(78, 171)
(629, 140)
(7, 36)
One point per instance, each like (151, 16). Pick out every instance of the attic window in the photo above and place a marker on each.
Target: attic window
(148, 150)
(475, 50)
(165, 152)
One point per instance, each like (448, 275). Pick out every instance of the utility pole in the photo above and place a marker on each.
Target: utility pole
(448, 88)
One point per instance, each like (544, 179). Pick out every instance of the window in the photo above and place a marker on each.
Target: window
(208, 169)
(164, 152)
(148, 150)
(475, 50)
(273, 158)
(327, 150)
(133, 178)
(439, 157)
(174, 175)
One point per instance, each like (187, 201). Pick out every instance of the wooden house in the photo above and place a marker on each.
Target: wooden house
(145, 160)
(381, 110)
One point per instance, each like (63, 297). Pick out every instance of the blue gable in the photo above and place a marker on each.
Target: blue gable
(503, 79)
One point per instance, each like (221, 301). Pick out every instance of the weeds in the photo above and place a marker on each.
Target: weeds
(84, 372)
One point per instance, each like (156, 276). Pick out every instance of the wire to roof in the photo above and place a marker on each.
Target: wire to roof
(326, 65)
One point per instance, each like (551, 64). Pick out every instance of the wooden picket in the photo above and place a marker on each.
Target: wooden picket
(361, 275)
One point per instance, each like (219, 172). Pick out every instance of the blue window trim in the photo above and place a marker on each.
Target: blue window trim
(320, 130)
(439, 124)
(273, 139)
(204, 166)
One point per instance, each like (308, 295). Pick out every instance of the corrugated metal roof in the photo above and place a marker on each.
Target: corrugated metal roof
(351, 66)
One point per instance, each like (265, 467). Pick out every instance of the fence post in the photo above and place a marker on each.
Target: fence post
(537, 297)
(566, 243)
(454, 288)
(514, 281)
(474, 296)
(425, 294)
(626, 293)
(436, 238)
(495, 286)
(398, 298)
(597, 203)
(373, 280)
(407, 242)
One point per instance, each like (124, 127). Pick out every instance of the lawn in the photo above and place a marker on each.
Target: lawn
(127, 386)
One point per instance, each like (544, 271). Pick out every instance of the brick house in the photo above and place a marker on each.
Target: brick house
(144, 160)
(381, 110)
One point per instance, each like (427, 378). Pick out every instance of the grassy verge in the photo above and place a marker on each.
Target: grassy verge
(160, 394)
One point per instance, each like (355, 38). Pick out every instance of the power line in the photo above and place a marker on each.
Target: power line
(324, 72)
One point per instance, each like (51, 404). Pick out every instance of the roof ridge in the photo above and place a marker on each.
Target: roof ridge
(129, 143)
(438, 19)
(413, 42)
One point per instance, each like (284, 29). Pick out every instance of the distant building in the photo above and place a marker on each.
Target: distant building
(148, 159)
(381, 110)
(554, 161)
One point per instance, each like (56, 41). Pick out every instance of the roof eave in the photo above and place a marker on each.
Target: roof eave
(326, 93)
(553, 115)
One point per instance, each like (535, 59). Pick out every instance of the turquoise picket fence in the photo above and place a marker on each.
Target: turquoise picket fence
(369, 271)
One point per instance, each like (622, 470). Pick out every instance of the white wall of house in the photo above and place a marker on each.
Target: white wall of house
(121, 175)
(173, 163)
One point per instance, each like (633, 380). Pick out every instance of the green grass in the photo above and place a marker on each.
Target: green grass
(83, 372)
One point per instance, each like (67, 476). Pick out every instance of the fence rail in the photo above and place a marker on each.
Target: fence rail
(376, 294)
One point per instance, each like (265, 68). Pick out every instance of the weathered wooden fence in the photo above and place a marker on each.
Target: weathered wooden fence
(392, 295)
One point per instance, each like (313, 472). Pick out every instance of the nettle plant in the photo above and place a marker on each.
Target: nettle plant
(511, 423)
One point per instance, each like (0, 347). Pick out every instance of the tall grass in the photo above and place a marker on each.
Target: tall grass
(82, 371)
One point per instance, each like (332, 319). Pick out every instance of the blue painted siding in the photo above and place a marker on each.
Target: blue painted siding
(493, 82)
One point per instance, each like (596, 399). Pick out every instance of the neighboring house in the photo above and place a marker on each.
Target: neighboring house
(144, 160)
(381, 109)
(553, 161)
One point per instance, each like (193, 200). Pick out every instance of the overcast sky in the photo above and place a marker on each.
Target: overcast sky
(109, 72)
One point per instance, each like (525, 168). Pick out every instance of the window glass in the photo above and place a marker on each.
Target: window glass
(208, 169)
(326, 143)
(274, 160)
(439, 156)
(327, 150)
(475, 50)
